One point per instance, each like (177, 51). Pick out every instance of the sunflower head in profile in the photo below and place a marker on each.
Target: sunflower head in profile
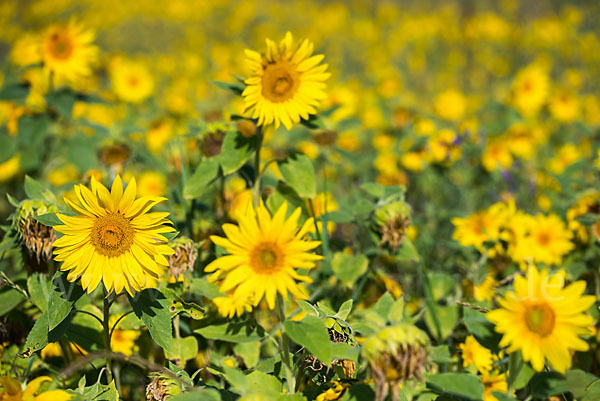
(113, 238)
(544, 320)
(286, 83)
(68, 51)
(264, 253)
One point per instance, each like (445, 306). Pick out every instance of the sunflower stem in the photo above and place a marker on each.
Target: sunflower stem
(284, 347)
(256, 186)
(514, 366)
(107, 334)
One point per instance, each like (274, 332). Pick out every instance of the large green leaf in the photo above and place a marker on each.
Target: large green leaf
(151, 306)
(61, 299)
(230, 332)
(299, 173)
(183, 349)
(38, 287)
(575, 381)
(236, 149)
(39, 336)
(348, 268)
(63, 101)
(312, 334)
(459, 384)
(9, 299)
(205, 173)
(447, 317)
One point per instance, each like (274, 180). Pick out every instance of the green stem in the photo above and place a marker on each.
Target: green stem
(256, 186)
(107, 334)
(284, 348)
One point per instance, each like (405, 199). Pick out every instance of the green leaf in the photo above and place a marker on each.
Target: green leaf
(312, 334)
(593, 392)
(344, 310)
(8, 146)
(183, 349)
(234, 87)
(63, 101)
(396, 313)
(407, 252)
(34, 189)
(61, 299)
(574, 381)
(151, 306)
(298, 172)
(32, 133)
(38, 287)
(16, 91)
(9, 299)
(49, 219)
(502, 397)
(236, 149)
(374, 189)
(230, 332)
(249, 351)
(203, 288)
(205, 173)
(384, 305)
(348, 268)
(39, 336)
(447, 317)
(205, 394)
(459, 384)
(256, 382)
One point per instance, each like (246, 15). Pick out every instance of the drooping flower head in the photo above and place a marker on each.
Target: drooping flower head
(67, 50)
(286, 83)
(264, 253)
(543, 320)
(113, 238)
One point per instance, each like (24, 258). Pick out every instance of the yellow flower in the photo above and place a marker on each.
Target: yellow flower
(348, 141)
(414, 161)
(522, 140)
(493, 381)
(324, 202)
(12, 390)
(68, 173)
(564, 106)
(230, 305)
(565, 156)
(68, 52)
(151, 183)
(26, 51)
(123, 341)
(113, 238)
(264, 253)
(444, 146)
(309, 149)
(10, 168)
(450, 105)
(334, 393)
(530, 89)
(159, 134)
(547, 241)
(543, 320)
(496, 155)
(131, 80)
(239, 204)
(286, 84)
(476, 354)
(486, 290)
(476, 229)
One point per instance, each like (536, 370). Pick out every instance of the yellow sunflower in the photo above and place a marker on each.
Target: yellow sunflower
(286, 83)
(67, 50)
(131, 80)
(547, 241)
(264, 253)
(476, 354)
(544, 320)
(113, 238)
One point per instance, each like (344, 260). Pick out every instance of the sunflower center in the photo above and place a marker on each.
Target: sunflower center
(112, 235)
(266, 258)
(540, 319)
(280, 81)
(61, 46)
(543, 239)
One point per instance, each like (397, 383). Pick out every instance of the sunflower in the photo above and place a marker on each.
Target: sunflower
(547, 241)
(67, 50)
(286, 83)
(264, 253)
(543, 320)
(476, 354)
(131, 81)
(113, 238)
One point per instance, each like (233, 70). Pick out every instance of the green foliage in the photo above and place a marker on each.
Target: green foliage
(152, 307)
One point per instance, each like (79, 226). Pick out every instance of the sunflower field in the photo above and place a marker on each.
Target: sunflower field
(298, 200)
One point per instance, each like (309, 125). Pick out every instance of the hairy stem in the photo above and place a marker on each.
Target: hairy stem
(256, 186)
(107, 334)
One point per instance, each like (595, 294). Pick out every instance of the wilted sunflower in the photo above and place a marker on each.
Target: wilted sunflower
(113, 238)
(285, 84)
(67, 50)
(544, 320)
(264, 253)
